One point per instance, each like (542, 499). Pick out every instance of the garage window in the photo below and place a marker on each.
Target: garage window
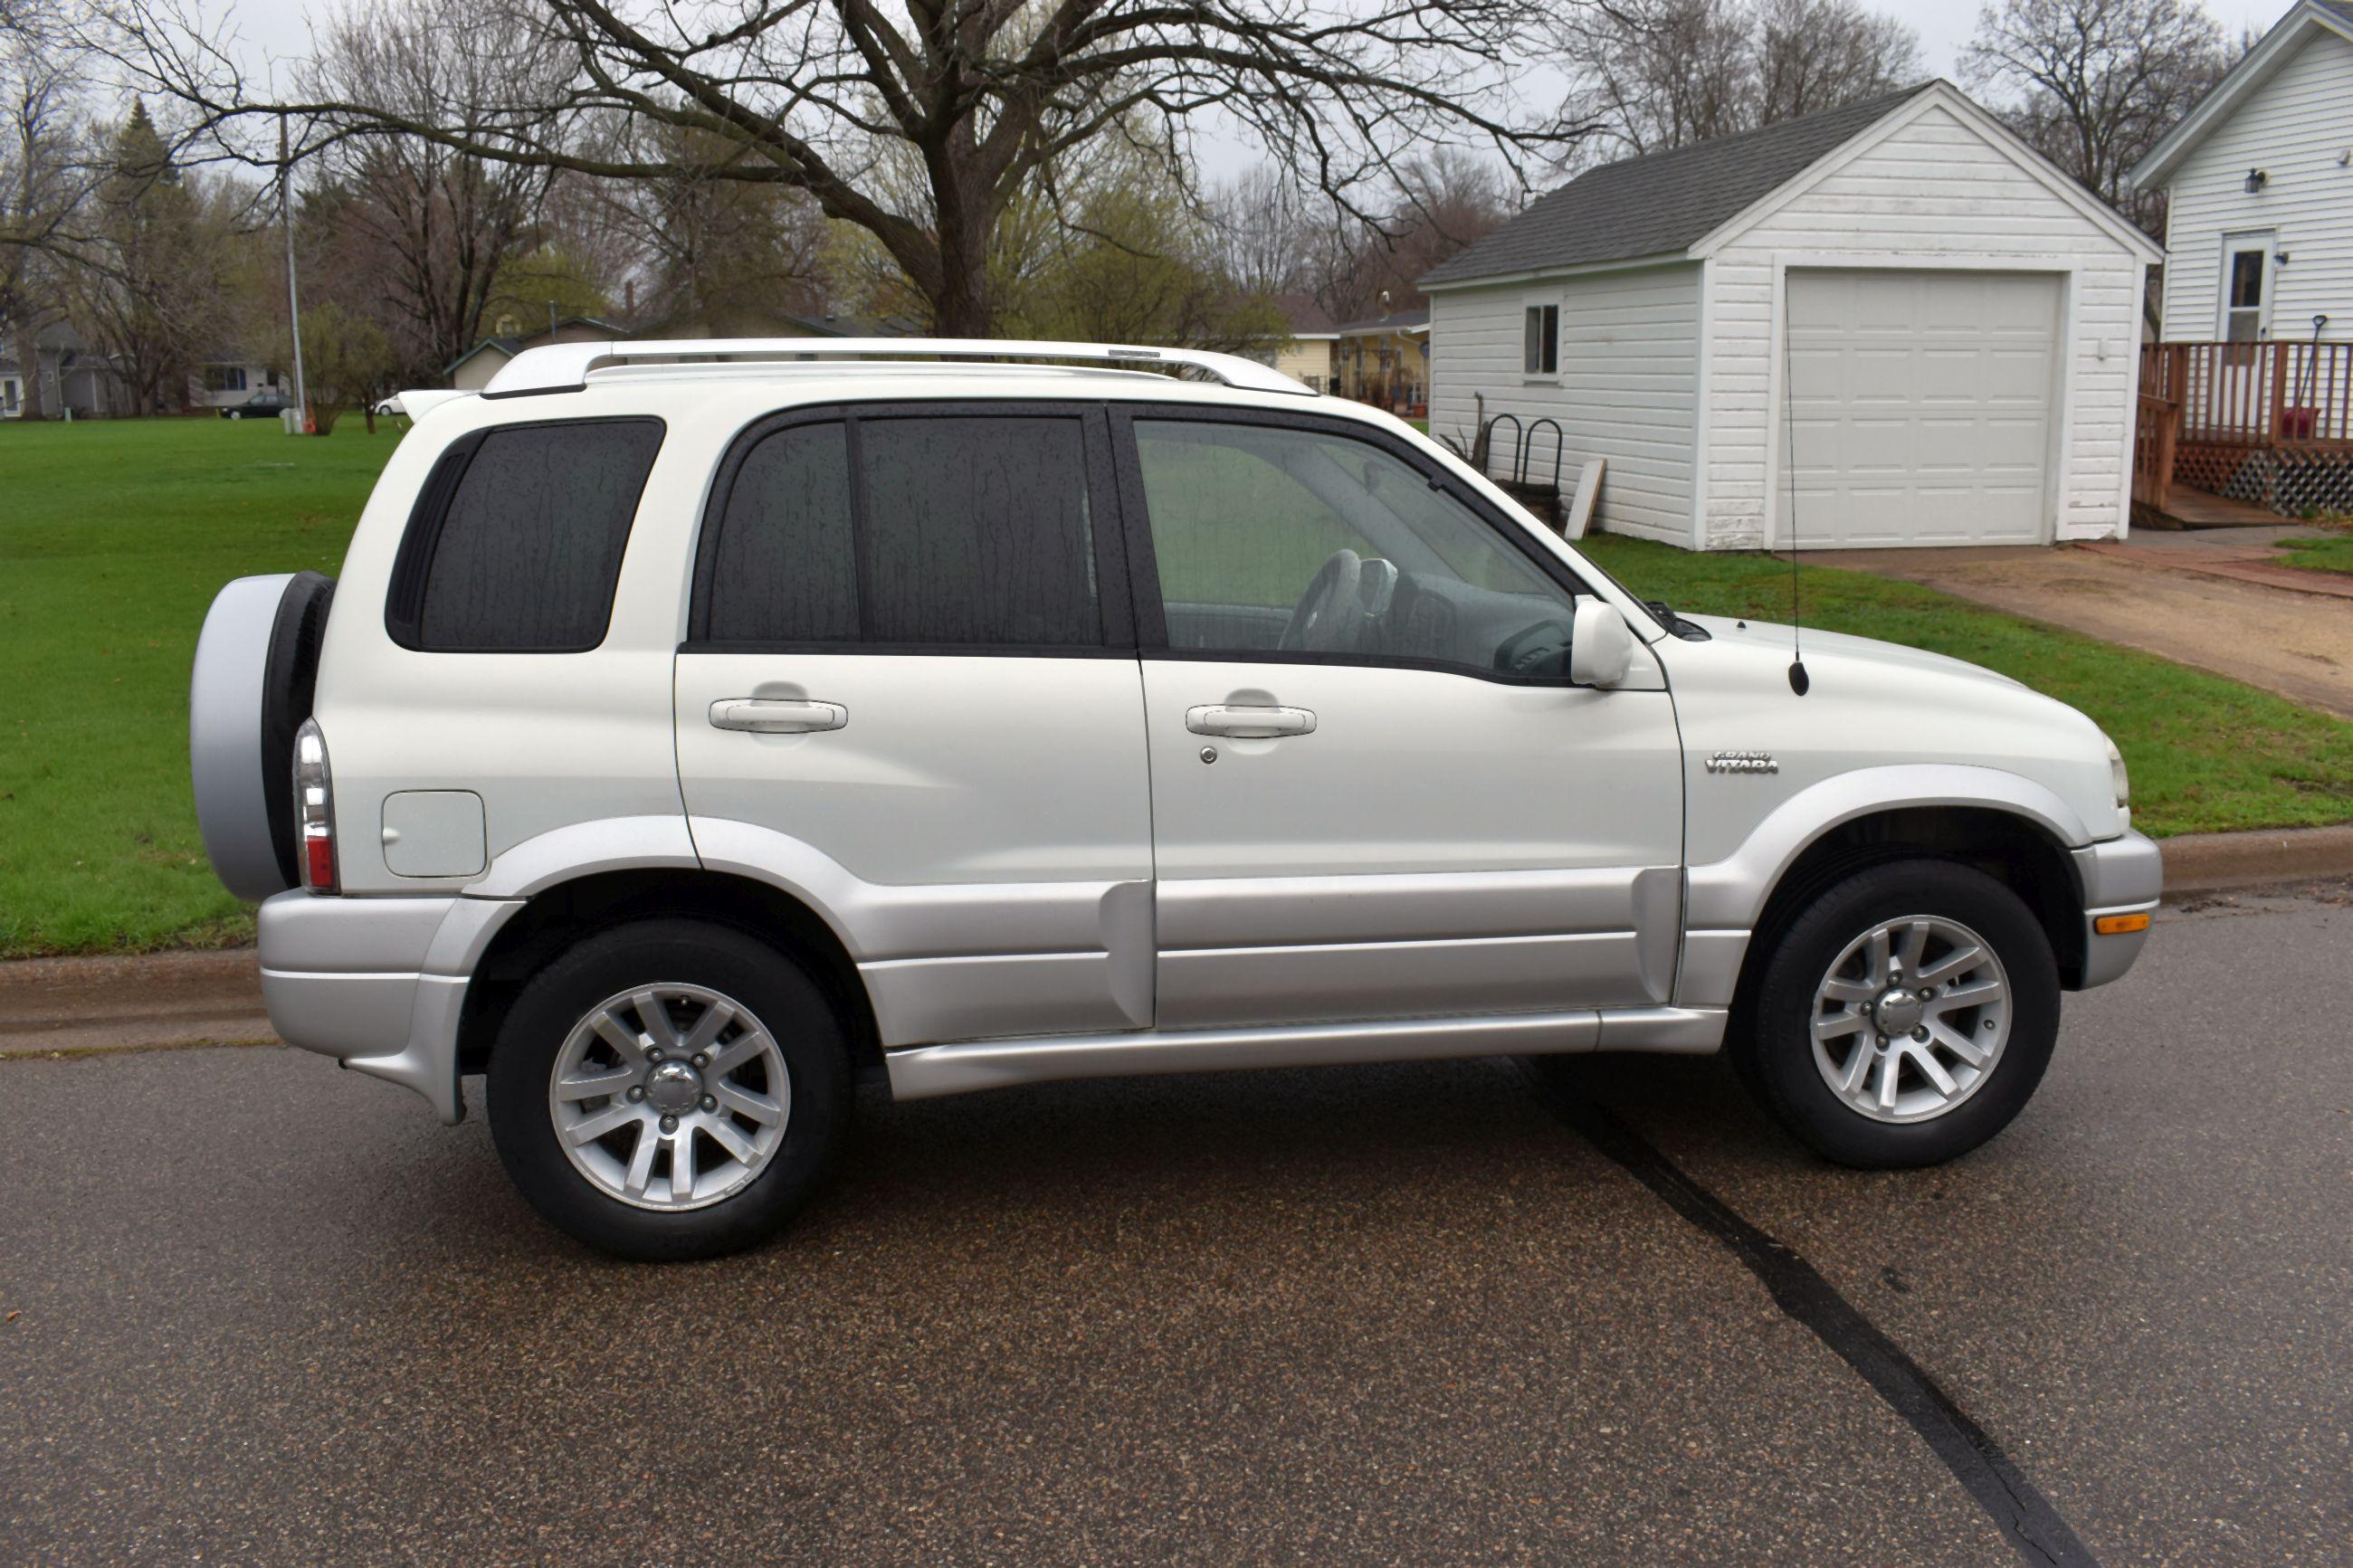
(1540, 354)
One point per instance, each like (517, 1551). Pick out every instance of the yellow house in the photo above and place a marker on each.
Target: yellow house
(1308, 354)
(1385, 361)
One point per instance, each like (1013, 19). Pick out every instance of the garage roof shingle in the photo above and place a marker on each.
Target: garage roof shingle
(1663, 202)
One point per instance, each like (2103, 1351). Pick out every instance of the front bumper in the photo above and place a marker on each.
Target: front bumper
(2120, 876)
(377, 984)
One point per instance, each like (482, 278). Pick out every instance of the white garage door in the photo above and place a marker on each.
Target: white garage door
(1921, 407)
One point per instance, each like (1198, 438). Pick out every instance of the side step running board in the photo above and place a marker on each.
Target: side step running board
(923, 1072)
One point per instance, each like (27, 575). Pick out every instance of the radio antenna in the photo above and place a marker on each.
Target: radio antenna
(1800, 681)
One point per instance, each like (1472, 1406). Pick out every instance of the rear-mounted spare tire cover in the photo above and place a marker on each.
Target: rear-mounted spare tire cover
(257, 667)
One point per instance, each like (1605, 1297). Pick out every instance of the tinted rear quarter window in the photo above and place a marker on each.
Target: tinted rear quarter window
(525, 555)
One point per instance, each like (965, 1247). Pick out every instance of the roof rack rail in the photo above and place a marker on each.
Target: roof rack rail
(565, 367)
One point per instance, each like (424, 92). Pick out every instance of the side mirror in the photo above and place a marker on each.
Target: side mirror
(1601, 644)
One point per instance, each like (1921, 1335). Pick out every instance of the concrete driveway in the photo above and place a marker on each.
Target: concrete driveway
(253, 1309)
(2144, 595)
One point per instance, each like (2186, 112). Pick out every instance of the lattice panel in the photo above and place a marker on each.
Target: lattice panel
(2313, 482)
(2232, 471)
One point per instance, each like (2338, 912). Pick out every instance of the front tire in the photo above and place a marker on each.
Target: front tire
(1903, 1017)
(669, 1089)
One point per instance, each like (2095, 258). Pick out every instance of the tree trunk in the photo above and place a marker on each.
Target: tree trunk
(29, 365)
(961, 306)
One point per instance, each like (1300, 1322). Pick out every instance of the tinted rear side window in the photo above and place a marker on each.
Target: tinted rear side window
(952, 531)
(787, 569)
(525, 556)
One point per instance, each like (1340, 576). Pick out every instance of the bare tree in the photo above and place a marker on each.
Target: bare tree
(1813, 55)
(1661, 74)
(430, 223)
(45, 179)
(1262, 233)
(152, 288)
(715, 249)
(1441, 202)
(2095, 83)
(983, 95)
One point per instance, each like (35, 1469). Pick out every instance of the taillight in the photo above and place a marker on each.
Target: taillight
(314, 808)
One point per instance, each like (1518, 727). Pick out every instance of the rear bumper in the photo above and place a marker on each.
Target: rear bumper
(2120, 876)
(377, 984)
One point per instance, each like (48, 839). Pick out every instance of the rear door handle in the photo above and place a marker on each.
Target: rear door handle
(1249, 723)
(776, 716)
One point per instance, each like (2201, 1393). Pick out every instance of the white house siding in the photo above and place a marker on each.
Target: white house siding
(2295, 128)
(1627, 392)
(1934, 191)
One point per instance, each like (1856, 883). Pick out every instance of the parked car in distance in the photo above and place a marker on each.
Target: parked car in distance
(699, 728)
(266, 404)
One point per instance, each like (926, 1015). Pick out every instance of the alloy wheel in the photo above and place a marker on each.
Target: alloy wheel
(1911, 1019)
(670, 1097)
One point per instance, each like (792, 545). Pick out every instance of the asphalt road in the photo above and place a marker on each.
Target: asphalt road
(258, 1310)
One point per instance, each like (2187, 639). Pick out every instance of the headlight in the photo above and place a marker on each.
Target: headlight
(2118, 778)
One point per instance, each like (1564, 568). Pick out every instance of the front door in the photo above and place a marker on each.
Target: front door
(1375, 792)
(910, 694)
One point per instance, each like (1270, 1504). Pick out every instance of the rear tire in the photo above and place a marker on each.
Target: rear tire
(669, 1089)
(1903, 1017)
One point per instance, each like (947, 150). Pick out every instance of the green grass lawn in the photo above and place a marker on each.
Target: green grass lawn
(2206, 755)
(114, 536)
(2332, 555)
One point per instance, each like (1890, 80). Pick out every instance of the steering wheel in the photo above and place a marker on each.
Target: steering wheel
(1342, 600)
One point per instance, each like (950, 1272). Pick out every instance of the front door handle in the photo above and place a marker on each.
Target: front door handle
(776, 716)
(1243, 723)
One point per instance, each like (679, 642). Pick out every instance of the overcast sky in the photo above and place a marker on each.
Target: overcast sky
(280, 27)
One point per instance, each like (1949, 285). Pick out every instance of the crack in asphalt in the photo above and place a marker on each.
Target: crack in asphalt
(2024, 1516)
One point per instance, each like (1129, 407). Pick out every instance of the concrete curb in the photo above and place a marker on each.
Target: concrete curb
(145, 1001)
(2200, 863)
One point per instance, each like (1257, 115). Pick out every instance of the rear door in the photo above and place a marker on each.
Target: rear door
(910, 691)
(1376, 793)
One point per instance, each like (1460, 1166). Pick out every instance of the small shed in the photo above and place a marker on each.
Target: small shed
(1896, 315)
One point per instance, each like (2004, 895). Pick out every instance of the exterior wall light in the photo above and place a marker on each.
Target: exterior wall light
(2256, 180)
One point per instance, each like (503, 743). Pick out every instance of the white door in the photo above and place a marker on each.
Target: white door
(1375, 792)
(909, 691)
(1921, 406)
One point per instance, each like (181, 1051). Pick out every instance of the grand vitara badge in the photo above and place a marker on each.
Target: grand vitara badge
(1743, 762)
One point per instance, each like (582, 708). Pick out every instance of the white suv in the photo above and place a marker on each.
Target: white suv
(702, 727)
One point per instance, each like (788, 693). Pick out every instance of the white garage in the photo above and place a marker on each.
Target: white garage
(1890, 324)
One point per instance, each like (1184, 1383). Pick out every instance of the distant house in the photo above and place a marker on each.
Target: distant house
(228, 376)
(2259, 181)
(73, 375)
(1306, 353)
(1897, 311)
(472, 369)
(1384, 360)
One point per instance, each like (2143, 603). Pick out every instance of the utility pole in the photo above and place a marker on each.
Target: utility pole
(293, 299)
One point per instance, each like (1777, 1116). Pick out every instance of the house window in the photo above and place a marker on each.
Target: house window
(224, 378)
(1541, 351)
(8, 397)
(2246, 287)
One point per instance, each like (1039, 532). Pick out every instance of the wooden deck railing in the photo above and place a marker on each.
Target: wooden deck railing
(2155, 433)
(2254, 395)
